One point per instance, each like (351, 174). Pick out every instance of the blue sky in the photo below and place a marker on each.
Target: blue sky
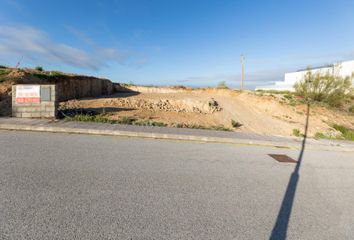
(177, 42)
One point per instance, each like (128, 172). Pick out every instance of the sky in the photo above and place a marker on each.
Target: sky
(177, 42)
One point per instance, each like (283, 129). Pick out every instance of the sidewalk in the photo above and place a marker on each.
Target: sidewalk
(44, 125)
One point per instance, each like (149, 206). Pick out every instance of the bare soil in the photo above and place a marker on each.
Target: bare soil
(263, 114)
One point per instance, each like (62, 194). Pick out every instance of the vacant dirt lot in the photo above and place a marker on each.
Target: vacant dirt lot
(264, 114)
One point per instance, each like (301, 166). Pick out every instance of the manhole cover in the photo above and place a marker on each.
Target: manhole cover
(282, 158)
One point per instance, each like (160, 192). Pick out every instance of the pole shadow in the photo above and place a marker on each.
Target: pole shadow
(280, 228)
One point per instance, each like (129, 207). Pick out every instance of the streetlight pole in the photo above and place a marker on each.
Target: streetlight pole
(242, 59)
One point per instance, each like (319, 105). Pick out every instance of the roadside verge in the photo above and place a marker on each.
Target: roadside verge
(108, 130)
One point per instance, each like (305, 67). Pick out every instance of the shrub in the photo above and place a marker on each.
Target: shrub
(39, 68)
(196, 126)
(296, 133)
(351, 109)
(222, 85)
(320, 135)
(326, 87)
(347, 133)
(235, 124)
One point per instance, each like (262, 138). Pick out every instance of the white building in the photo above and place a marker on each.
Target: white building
(343, 69)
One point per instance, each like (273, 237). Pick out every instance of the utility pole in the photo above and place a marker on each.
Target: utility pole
(242, 59)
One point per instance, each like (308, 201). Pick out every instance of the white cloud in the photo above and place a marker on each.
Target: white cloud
(37, 46)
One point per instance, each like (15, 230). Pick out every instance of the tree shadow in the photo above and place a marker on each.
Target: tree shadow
(280, 228)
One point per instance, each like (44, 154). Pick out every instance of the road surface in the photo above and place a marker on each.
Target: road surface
(66, 186)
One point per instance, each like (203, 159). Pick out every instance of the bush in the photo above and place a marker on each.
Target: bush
(320, 135)
(296, 133)
(222, 85)
(351, 109)
(39, 68)
(326, 87)
(235, 124)
(347, 134)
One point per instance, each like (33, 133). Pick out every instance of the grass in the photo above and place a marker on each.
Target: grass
(196, 126)
(297, 133)
(133, 121)
(3, 73)
(320, 135)
(347, 134)
(104, 119)
(48, 75)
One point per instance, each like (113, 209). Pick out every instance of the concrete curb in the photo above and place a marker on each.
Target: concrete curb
(179, 137)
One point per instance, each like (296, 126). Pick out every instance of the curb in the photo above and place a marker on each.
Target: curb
(178, 137)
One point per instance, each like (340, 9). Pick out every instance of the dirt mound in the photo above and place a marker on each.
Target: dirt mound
(263, 114)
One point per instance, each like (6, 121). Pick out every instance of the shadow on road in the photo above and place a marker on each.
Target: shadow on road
(280, 228)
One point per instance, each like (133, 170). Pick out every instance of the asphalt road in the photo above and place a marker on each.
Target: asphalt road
(62, 186)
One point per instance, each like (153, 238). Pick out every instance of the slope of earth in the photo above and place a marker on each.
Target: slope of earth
(262, 114)
(69, 86)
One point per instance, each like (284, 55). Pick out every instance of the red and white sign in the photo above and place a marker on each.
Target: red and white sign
(28, 94)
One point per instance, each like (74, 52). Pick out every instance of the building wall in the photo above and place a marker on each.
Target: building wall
(46, 108)
(343, 69)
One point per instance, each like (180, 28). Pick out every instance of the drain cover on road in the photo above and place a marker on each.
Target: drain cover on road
(282, 158)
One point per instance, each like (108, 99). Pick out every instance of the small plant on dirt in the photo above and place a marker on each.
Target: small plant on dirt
(347, 133)
(235, 124)
(329, 88)
(351, 109)
(320, 135)
(39, 69)
(222, 85)
(296, 133)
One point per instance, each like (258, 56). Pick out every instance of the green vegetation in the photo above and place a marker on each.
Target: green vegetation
(105, 119)
(39, 68)
(275, 92)
(196, 126)
(133, 121)
(222, 85)
(297, 133)
(2, 67)
(320, 135)
(329, 88)
(3, 73)
(351, 109)
(235, 124)
(347, 133)
(48, 75)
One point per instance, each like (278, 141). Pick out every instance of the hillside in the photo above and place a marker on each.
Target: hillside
(70, 86)
(257, 112)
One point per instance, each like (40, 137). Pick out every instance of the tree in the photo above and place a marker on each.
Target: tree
(326, 87)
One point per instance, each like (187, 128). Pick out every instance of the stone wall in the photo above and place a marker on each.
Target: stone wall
(44, 109)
